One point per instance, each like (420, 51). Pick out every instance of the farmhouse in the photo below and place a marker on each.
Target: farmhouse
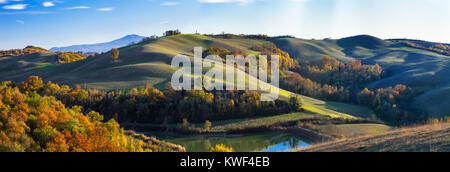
(172, 32)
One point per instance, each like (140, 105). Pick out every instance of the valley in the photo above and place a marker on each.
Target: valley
(133, 90)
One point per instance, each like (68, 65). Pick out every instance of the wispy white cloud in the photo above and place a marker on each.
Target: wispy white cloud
(48, 4)
(20, 21)
(24, 12)
(15, 7)
(6, 1)
(77, 8)
(170, 3)
(105, 9)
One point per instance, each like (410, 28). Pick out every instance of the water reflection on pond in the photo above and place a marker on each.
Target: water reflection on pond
(273, 142)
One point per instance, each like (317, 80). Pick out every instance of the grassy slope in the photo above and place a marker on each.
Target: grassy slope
(262, 121)
(432, 138)
(352, 130)
(27, 64)
(435, 102)
(425, 71)
(306, 50)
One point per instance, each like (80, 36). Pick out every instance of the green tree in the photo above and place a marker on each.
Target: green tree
(95, 116)
(114, 54)
(295, 103)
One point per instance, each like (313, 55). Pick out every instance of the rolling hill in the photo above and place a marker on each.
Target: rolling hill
(307, 50)
(424, 70)
(364, 41)
(147, 63)
(100, 47)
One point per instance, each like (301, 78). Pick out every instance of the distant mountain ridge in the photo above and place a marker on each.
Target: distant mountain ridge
(101, 47)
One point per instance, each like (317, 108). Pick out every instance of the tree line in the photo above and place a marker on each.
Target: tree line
(286, 62)
(69, 57)
(330, 71)
(149, 105)
(332, 80)
(438, 47)
(391, 104)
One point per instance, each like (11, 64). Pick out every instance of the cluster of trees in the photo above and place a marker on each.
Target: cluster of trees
(35, 123)
(305, 86)
(222, 52)
(439, 48)
(333, 72)
(69, 57)
(20, 52)
(241, 36)
(391, 104)
(286, 62)
(150, 105)
(330, 79)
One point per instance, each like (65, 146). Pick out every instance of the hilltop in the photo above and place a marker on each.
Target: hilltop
(364, 41)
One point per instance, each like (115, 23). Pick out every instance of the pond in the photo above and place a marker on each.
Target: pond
(273, 142)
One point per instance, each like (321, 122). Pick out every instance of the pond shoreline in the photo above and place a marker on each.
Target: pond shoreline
(270, 141)
(314, 136)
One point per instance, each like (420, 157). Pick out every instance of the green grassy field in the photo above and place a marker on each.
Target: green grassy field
(240, 124)
(307, 50)
(353, 130)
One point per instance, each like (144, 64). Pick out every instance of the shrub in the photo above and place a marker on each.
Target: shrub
(221, 148)
(207, 125)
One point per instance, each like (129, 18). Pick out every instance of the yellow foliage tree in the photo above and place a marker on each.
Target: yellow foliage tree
(221, 148)
(114, 54)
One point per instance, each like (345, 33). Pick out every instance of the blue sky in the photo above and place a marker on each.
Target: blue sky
(49, 23)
